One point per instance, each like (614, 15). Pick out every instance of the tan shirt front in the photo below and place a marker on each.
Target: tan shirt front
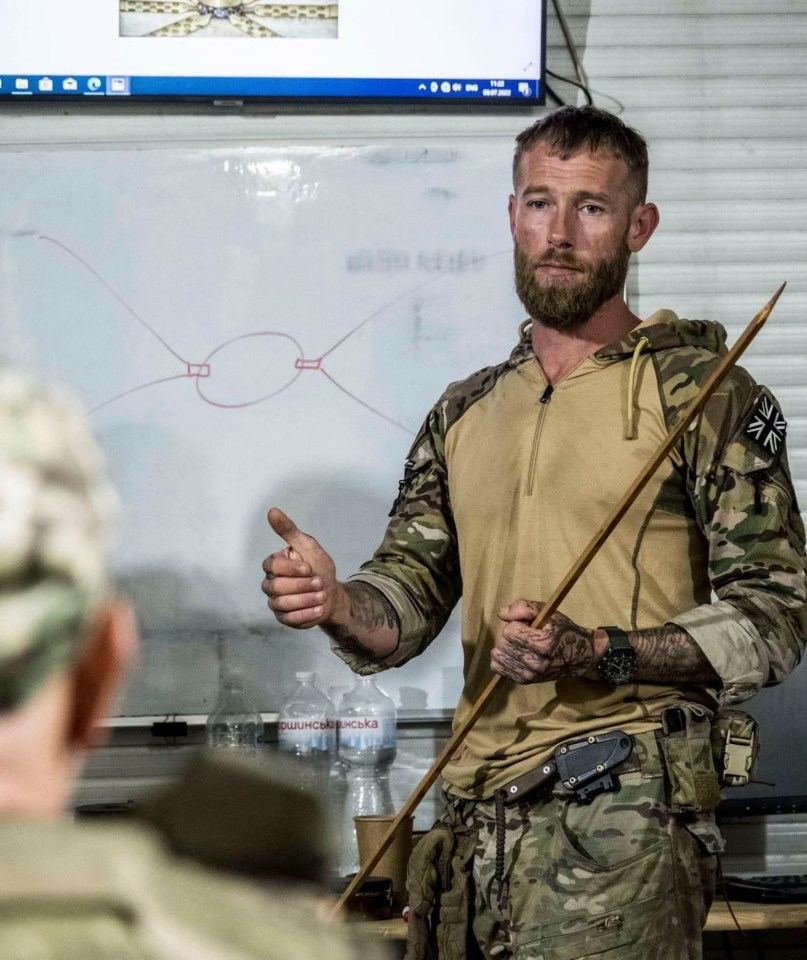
(530, 484)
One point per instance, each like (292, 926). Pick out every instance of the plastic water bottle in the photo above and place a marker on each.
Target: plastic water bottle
(366, 723)
(232, 725)
(367, 738)
(307, 732)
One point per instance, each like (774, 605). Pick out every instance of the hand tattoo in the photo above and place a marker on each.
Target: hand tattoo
(560, 648)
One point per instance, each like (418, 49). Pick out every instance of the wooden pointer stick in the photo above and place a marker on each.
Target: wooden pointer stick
(552, 604)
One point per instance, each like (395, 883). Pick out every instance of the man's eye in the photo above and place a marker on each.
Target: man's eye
(592, 208)
(536, 204)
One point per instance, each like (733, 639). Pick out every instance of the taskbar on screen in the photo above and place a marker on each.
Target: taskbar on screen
(104, 86)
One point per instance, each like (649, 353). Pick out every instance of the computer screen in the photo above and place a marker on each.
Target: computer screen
(428, 51)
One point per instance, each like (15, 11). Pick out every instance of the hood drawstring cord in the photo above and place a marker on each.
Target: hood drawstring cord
(641, 343)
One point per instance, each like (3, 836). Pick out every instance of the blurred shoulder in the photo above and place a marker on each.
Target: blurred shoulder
(113, 892)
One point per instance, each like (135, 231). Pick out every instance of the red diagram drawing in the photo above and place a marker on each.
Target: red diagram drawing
(201, 371)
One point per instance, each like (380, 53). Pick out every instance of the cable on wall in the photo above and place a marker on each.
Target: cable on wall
(582, 78)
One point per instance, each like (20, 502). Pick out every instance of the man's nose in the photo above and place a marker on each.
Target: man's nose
(560, 232)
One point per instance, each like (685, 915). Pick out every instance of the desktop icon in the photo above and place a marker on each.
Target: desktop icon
(69, 83)
(119, 85)
(434, 86)
(524, 89)
(45, 85)
(94, 84)
(21, 83)
(445, 86)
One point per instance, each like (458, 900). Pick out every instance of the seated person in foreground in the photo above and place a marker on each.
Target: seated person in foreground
(68, 890)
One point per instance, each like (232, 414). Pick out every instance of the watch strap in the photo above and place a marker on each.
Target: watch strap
(617, 638)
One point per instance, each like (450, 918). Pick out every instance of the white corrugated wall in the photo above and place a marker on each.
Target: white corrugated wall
(719, 88)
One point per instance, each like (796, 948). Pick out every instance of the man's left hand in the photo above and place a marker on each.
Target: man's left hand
(559, 648)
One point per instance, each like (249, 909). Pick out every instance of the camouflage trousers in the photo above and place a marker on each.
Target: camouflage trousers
(619, 878)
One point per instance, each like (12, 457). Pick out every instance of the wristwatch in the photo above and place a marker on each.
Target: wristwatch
(619, 663)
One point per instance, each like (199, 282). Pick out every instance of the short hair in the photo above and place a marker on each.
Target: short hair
(569, 130)
(56, 512)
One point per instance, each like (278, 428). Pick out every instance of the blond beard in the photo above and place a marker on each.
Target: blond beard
(568, 306)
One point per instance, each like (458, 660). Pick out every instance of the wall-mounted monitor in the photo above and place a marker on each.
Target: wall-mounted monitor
(348, 51)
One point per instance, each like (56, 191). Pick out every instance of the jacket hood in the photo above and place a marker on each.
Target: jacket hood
(663, 330)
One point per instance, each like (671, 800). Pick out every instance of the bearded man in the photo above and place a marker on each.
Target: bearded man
(512, 472)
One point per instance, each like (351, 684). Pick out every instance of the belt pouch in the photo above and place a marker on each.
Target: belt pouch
(686, 744)
(735, 746)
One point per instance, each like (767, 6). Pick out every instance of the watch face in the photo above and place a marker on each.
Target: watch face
(618, 666)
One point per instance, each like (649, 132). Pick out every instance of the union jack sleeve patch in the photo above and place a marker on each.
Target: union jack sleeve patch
(766, 426)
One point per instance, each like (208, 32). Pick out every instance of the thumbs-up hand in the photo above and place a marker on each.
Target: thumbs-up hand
(300, 580)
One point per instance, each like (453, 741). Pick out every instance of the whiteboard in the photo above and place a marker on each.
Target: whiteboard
(254, 326)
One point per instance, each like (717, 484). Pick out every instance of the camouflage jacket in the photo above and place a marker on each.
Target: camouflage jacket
(76, 892)
(507, 481)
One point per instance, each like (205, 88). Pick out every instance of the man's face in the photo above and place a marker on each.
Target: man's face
(570, 221)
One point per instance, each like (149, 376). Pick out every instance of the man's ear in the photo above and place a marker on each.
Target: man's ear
(97, 675)
(642, 226)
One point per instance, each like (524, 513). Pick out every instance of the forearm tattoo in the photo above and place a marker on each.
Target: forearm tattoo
(369, 611)
(369, 607)
(669, 654)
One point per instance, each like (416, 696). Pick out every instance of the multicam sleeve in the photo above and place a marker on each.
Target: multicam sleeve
(742, 492)
(416, 567)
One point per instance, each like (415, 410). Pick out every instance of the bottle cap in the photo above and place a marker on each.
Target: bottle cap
(304, 675)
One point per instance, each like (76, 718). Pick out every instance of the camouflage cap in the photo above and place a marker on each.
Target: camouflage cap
(56, 508)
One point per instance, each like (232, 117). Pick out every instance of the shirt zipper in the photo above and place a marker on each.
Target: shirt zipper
(543, 404)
